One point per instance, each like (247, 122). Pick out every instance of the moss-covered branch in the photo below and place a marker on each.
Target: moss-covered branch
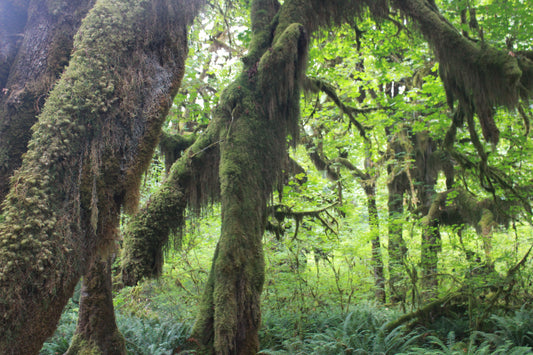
(94, 136)
(478, 76)
(172, 145)
(193, 181)
(316, 85)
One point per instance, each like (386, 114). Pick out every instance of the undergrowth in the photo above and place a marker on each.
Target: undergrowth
(151, 330)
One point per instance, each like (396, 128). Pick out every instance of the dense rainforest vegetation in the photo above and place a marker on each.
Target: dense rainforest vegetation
(266, 176)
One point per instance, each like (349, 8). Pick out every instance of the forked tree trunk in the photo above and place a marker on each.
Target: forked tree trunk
(95, 135)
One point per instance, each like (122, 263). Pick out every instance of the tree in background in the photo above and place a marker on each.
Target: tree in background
(98, 128)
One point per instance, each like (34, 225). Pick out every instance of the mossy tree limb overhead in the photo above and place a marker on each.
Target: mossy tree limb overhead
(193, 182)
(475, 74)
(95, 135)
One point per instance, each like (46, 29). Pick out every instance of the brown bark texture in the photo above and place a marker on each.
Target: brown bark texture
(35, 46)
(94, 137)
(97, 330)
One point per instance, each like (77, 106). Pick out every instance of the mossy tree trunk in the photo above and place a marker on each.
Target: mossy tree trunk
(97, 332)
(397, 186)
(94, 137)
(425, 174)
(253, 143)
(43, 33)
(377, 259)
(260, 109)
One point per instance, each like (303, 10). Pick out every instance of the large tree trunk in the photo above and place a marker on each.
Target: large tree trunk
(252, 149)
(95, 135)
(31, 66)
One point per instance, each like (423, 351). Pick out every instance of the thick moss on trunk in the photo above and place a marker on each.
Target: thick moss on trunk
(259, 111)
(43, 50)
(261, 108)
(95, 134)
(97, 331)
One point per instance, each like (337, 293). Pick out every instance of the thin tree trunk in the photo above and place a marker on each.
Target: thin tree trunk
(96, 332)
(396, 247)
(397, 185)
(377, 259)
(427, 167)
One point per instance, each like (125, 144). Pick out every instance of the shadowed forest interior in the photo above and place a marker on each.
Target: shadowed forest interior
(266, 176)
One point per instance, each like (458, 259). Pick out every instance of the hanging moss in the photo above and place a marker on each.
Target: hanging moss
(192, 181)
(101, 117)
(172, 145)
(478, 76)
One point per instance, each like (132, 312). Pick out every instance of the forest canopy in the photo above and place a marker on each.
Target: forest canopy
(264, 176)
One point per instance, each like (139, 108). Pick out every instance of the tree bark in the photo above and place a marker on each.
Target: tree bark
(95, 135)
(425, 173)
(13, 16)
(397, 185)
(377, 259)
(97, 332)
(32, 64)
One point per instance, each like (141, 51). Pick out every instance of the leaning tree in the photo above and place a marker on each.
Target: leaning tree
(95, 136)
(98, 128)
(246, 142)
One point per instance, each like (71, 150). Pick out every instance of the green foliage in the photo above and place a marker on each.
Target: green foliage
(144, 335)
(60, 341)
(149, 336)
(517, 328)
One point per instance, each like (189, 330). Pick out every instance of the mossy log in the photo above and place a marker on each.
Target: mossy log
(94, 137)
